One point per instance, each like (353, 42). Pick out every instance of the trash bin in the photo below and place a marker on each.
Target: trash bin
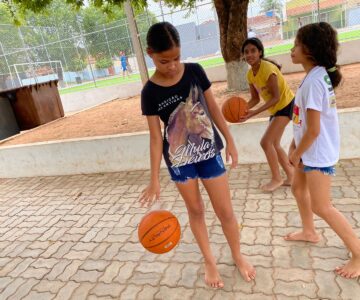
(8, 123)
(36, 104)
(78, 79)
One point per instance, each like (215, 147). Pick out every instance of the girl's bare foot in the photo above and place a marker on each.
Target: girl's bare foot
(212, 276)
(287, 182)
(302, 236)
(350, 270)
(272, 185)
(246, 270)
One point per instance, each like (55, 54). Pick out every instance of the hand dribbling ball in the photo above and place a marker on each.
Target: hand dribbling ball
(234, 108)
(159, 231)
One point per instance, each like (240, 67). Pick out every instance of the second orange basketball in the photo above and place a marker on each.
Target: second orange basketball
(234, 108)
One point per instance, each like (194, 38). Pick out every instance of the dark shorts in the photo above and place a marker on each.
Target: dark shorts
(287, 111)
(124, 67)
(205, 169)
(331, 171)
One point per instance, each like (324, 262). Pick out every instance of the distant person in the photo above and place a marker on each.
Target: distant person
(299, 23)
(124, 63)
(251, 33)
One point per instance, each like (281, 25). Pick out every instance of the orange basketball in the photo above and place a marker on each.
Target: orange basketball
(234, 108)
(159, 231)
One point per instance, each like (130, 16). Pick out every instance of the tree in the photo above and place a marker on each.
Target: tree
(232, 16)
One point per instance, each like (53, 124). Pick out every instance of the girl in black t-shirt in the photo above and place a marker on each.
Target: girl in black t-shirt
(180, 96)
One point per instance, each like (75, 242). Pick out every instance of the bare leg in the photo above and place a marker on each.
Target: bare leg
(218, 190)
(301, 193)
(195, 207)
(320, 187)
(271, 137)
(282, 156)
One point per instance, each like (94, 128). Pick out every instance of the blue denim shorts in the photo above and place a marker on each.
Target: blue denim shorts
(331, 171)
(205, 169)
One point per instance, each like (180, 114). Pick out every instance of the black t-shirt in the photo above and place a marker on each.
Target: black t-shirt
(189, 133)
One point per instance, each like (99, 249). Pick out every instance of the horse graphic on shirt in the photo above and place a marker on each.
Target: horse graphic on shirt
(189, 132)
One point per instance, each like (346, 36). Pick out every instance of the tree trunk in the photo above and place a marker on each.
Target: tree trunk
(232, 16)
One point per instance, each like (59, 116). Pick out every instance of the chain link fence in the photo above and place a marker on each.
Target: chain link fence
(82, 58)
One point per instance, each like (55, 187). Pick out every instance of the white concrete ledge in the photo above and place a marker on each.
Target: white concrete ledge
(131, 151)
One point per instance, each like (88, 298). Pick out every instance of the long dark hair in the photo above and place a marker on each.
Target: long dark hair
(259, 45)
(162, 36)
(320, 44)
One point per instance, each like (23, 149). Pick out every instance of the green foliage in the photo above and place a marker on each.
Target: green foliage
(106, 5)
(76, 65)
(103, 62)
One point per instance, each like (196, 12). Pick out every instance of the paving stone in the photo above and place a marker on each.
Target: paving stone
(112, 270)
(327, 264)
(99, 251)
(264, 283)
(189, 275)
(293, 274)
(86, 276)
(148, 292)
(201, 294)
(58, 269)
(82, 291)
(37, 273)
(125, 272)
(67, 290)
(300, 257)
(11, 288)
(69, 270)
(111, 251)
(295, 288)
(53, 248)
(173, 293)
(74, 254)
(38, 296)
(4, 281)
(52, 286)
(103, 289)
(154, 267)
(21, 267)
(328, 287)
(172, 274)
(350, 288)
(24, 289)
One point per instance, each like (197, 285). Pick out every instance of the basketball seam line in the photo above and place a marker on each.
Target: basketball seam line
(153, 227)
(177, 225)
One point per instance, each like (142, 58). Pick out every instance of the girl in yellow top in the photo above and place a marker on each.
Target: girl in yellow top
(266, 80)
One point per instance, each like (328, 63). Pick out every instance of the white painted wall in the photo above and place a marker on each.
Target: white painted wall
(131, 151)
(78, 101)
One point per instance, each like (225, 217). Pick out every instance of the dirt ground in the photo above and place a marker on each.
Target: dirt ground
(124, 115)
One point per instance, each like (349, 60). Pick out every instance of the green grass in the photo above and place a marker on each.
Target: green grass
(278, 49)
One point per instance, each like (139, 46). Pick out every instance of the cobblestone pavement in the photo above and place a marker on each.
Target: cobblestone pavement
(75, 237)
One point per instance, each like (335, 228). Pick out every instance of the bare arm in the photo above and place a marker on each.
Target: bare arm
(273, 88)
(311, 133)
(152, 191)
(221, 124)
(255, 99)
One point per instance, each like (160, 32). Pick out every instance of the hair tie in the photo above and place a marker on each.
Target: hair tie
(332, 69)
